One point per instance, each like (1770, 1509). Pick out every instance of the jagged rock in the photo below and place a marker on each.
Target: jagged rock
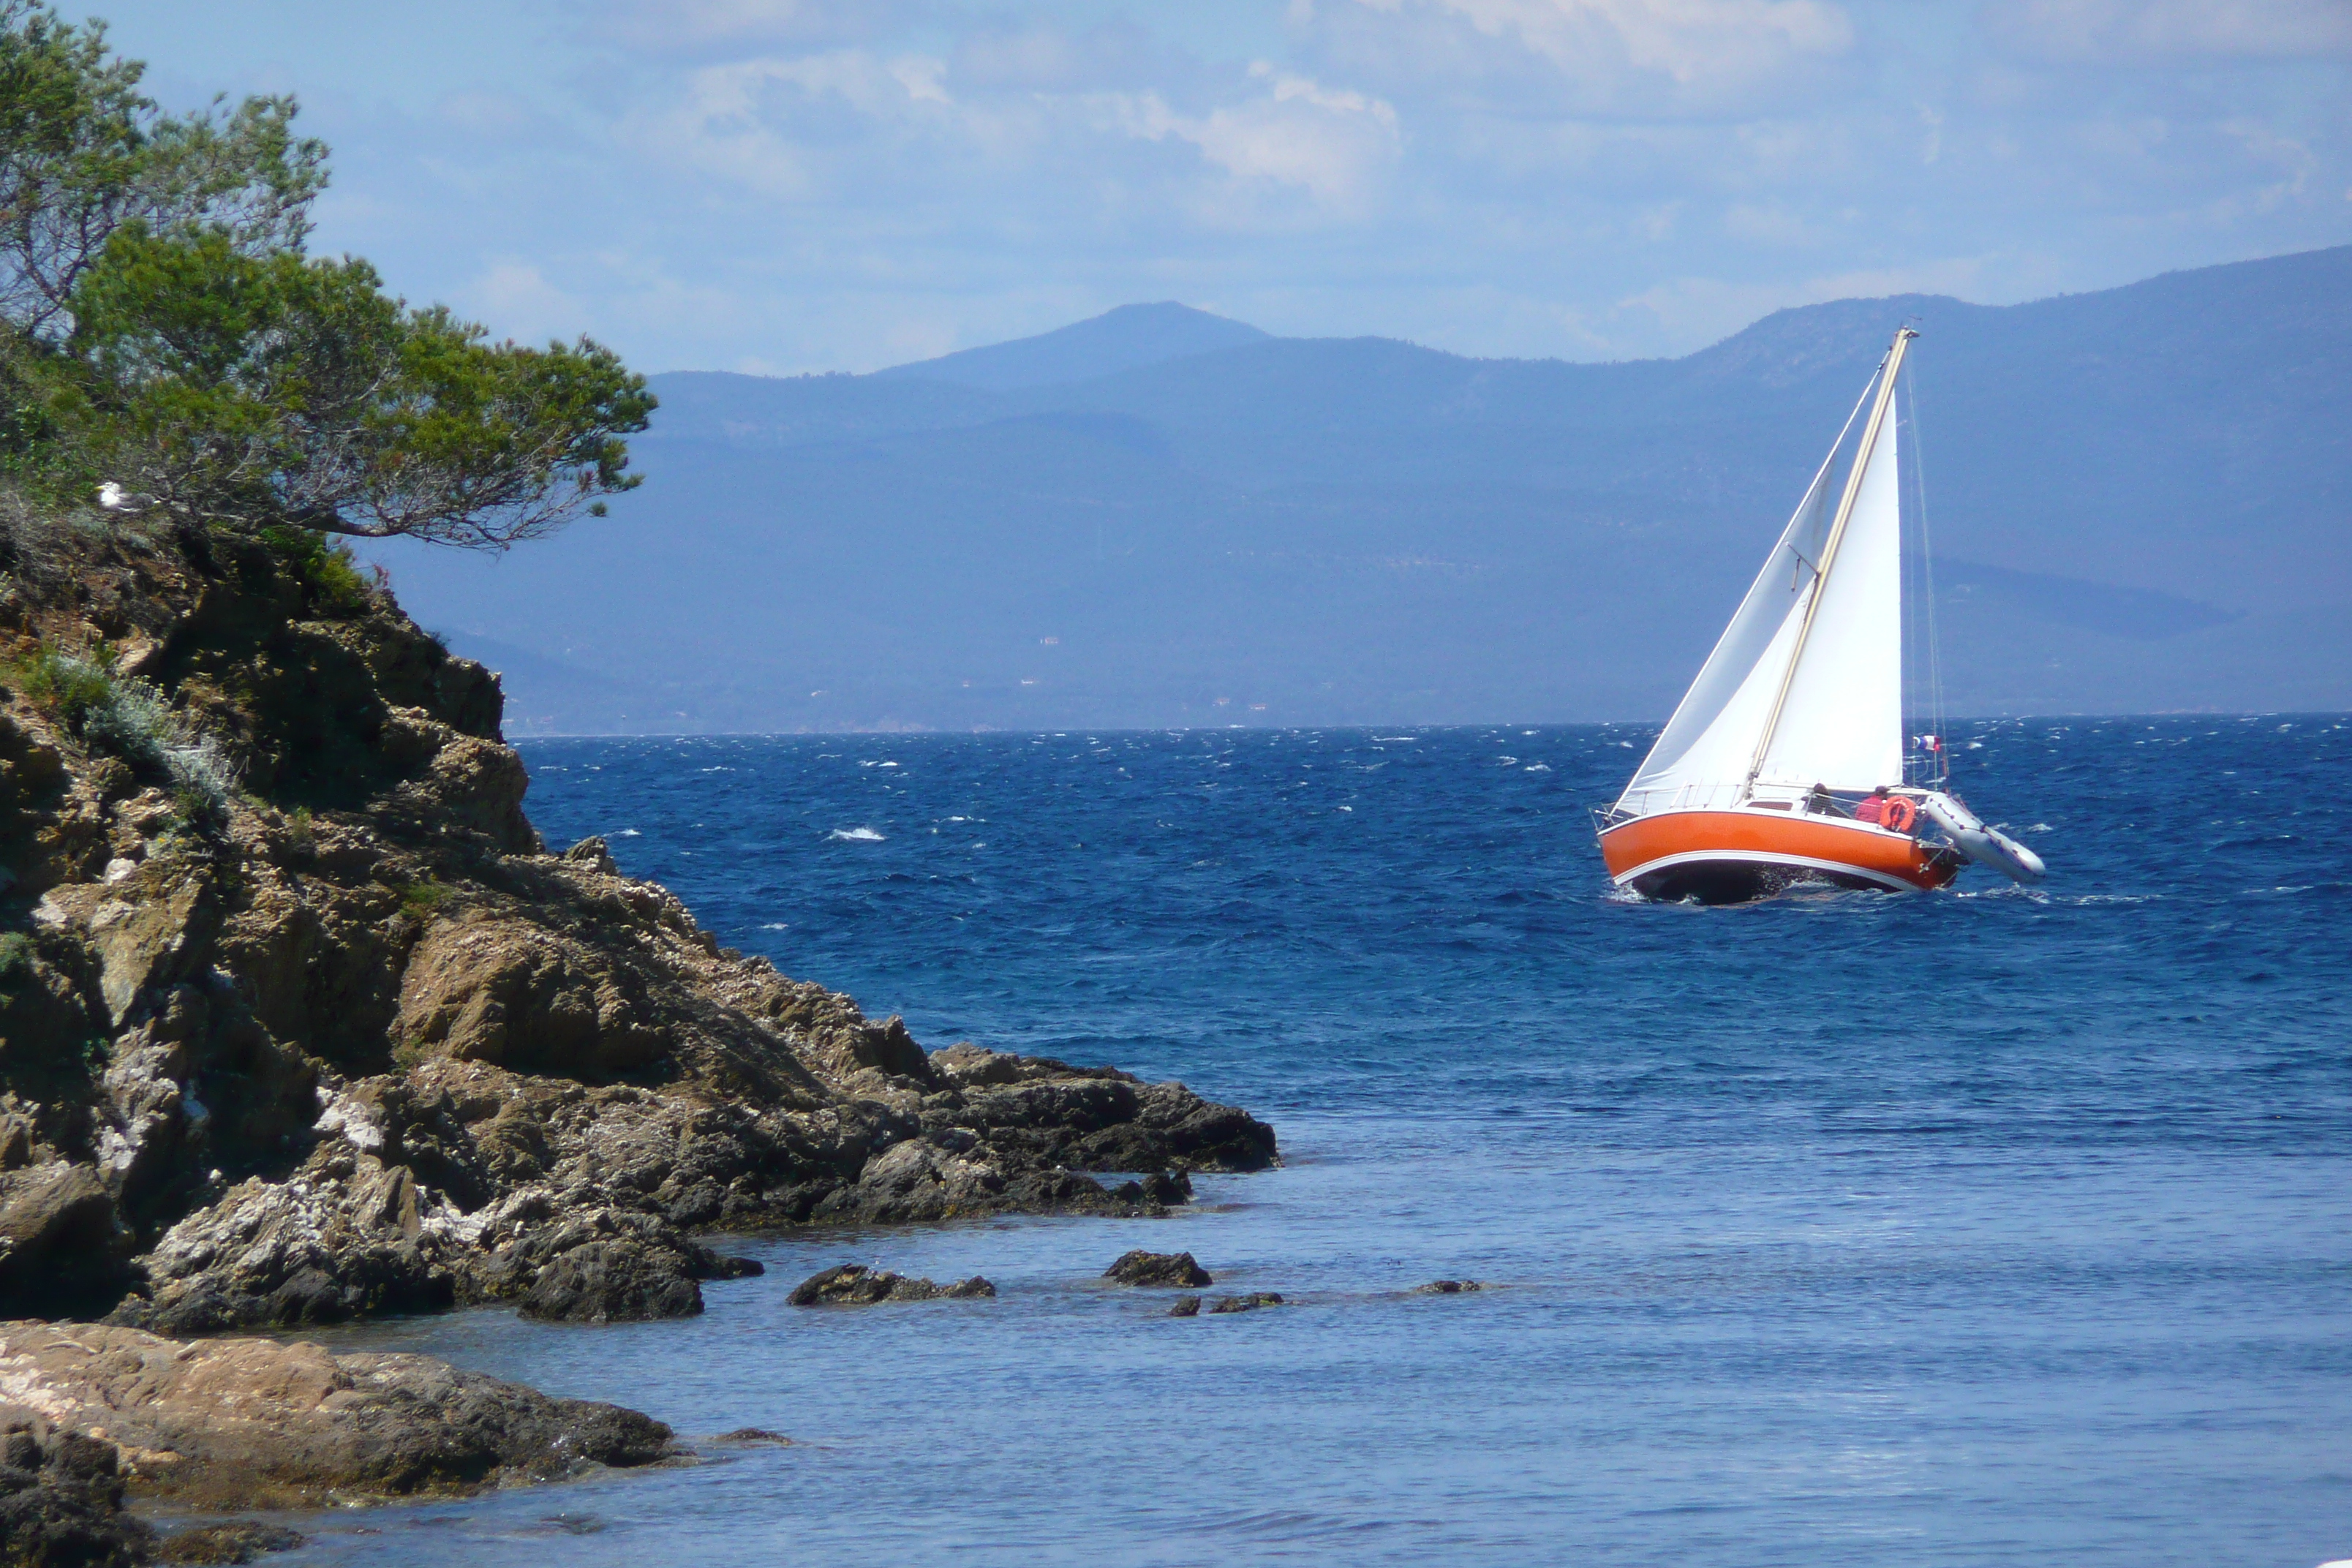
(609, 1266)
(593, 853)
(345, 1237)
(62, 1248)
(1099, 1119)
(1159, 1268)
(1447, 1288)
(61, 1499)
(856, 1285)
(145, 930)
(352, 1042)
(48, 1015)
(509, 991)
(239, 1541)
(1185, 1307)
(257, 1423)
(1249, 1303)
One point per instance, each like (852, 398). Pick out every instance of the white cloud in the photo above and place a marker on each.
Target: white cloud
(770, 123)
(1592, 56)
(515, 300)
(2115, 31)
(692, 26)
(1295, 133)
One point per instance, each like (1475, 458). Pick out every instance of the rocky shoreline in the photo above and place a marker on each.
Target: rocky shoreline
(346, 1039)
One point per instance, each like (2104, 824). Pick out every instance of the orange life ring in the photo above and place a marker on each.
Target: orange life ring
(1899, 815)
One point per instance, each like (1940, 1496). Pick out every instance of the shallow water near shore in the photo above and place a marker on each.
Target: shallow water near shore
(1990, 1228)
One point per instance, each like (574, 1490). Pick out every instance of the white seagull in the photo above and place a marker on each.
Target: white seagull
(112, 497)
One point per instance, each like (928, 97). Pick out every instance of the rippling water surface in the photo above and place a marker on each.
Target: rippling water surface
(1992, 1228)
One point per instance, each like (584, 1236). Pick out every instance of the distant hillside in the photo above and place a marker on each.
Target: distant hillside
(1125, 338)
(2140, 500)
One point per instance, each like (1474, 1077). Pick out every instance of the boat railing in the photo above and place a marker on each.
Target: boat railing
(1636, 803)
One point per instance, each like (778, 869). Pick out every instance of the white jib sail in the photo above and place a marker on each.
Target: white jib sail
(1702, 757)
(1841, 721)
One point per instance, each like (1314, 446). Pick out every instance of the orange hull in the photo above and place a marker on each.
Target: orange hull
(1725, 857)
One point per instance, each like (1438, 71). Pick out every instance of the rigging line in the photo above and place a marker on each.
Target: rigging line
(1927, 569)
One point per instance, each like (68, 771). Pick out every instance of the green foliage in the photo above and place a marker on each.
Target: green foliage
(419, 899)
(67, 688)
(83, 152)
(15, 956)
(329, 570)
(159, 328)
(284, 388)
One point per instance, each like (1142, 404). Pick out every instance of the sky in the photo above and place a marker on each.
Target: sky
(780, 187)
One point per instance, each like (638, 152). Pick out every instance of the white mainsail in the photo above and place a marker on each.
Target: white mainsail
(1798, 692)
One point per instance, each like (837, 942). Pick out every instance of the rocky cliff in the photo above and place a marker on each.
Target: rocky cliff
(301, 1021)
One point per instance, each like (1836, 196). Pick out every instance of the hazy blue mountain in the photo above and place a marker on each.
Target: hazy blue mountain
(1125, 338)
(2139, 499)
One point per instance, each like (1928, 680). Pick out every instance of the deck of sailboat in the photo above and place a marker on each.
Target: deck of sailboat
(1733, 855)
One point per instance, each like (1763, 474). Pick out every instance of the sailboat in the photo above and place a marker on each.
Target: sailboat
(1788, 759)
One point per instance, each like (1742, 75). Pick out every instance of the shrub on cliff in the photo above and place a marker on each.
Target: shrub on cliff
(162, 328)
(131, 719)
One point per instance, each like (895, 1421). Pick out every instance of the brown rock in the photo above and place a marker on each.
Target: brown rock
(1175, 1268)
(248, 1423)
(855, 1285)
(61, 1247)
(509, 991)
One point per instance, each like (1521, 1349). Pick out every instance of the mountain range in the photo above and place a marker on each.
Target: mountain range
(2138, 500)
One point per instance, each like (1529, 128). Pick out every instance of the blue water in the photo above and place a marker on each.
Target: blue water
(1991, 1227)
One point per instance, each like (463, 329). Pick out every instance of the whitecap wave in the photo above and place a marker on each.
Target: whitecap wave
(855, 835)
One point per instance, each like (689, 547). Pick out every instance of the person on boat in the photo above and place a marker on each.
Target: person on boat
(1820, 803)
(1873, 808)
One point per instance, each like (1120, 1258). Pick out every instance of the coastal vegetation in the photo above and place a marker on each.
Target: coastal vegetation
(163, 333)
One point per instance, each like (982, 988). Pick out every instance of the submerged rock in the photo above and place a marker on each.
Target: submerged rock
(1447, 1288)
(1185, 1307)
(856, 1285)
(246, 1423)
(1249, 1303)
(1159, 1268)
(240, 1541)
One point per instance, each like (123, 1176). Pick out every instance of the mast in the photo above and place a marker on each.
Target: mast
(1886, 400)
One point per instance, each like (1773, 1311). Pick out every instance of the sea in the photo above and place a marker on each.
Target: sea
(2003, 1226)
